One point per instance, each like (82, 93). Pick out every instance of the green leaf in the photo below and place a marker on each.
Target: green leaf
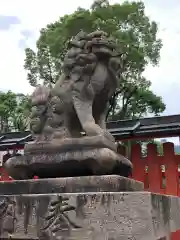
(14, 111)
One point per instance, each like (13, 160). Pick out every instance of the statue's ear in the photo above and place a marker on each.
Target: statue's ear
(81, 35)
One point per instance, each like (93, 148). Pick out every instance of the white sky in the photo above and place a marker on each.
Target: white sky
(36, 14)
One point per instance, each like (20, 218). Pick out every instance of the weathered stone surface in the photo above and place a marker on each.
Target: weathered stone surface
(82, 162)
(90, 216)
(111, 183)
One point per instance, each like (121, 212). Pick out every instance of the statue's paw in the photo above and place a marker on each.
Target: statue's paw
(123, 166)
(108, 136)
(16, 167)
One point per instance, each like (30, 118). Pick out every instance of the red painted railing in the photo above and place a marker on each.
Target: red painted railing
(160, 174)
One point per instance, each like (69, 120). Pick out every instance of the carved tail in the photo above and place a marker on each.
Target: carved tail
(39, 101)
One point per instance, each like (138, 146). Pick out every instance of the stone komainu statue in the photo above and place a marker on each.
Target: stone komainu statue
(77, 103)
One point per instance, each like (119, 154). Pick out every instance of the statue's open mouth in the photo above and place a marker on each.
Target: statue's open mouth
(102, 48)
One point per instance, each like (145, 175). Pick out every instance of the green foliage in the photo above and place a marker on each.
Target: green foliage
(135, 102)
(20, 116)
(7, 105)
(14, 111)
(158, 144)
(159, 147)
(136, 37)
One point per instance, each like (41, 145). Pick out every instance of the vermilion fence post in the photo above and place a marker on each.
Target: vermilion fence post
(138, 163)
(172, 178)
(177, 158)
(154, 169)
(171, 169)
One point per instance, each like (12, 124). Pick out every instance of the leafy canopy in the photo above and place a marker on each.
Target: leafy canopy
(136, 37)
(14, 111)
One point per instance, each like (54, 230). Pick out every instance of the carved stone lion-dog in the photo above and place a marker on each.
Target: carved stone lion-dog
(76, 104)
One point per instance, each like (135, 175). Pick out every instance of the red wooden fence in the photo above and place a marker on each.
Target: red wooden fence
(160, 174)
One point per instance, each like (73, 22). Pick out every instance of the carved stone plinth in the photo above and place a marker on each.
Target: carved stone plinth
(107, 183)
(100, 212)
(73, 157)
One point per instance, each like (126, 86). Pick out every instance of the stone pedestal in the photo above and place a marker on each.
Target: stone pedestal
(91, 208)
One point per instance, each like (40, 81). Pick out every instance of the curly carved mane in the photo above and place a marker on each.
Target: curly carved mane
(86, 50)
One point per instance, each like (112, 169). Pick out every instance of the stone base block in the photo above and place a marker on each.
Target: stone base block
(85, 208)
(106, 183)
(89, 216)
